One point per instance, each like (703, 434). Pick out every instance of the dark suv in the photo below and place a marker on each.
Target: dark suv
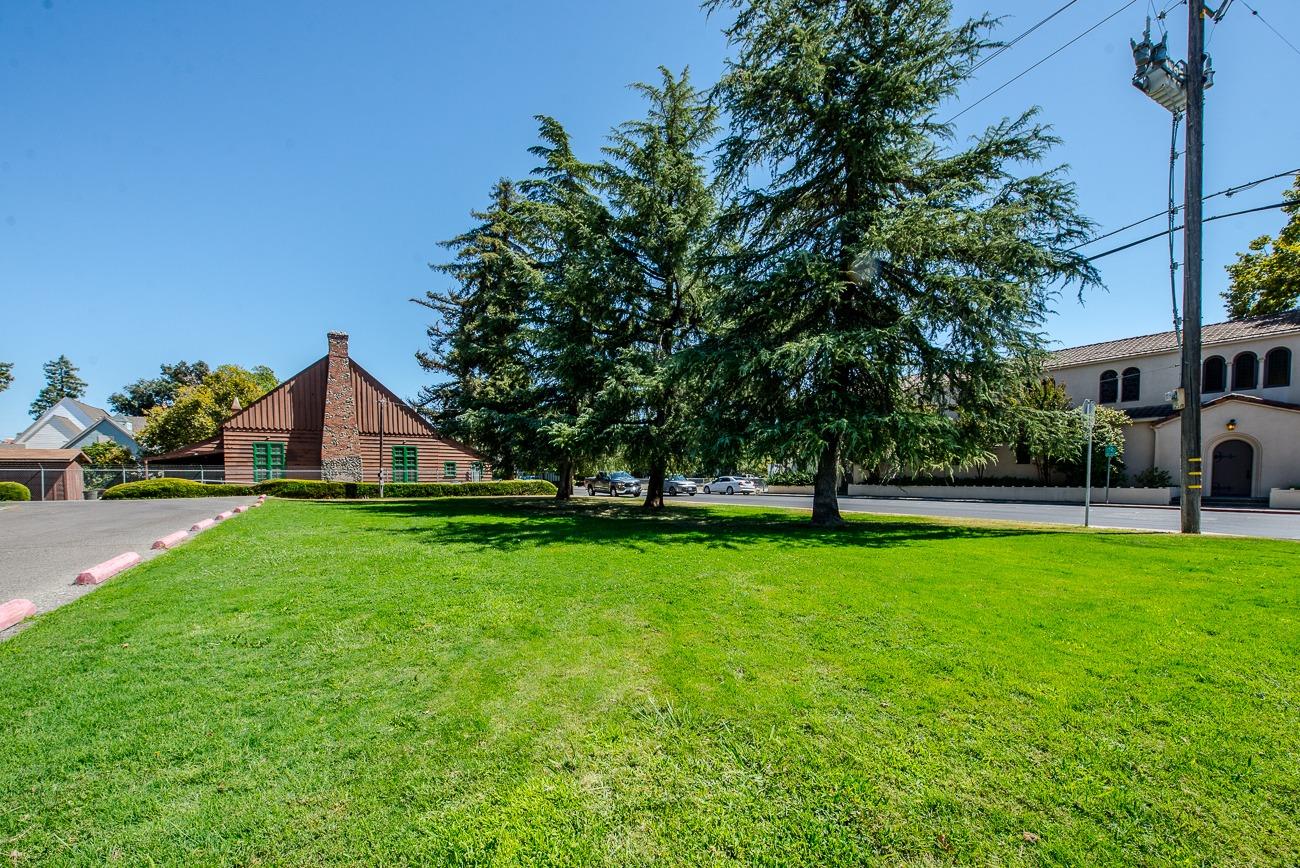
(614, 484)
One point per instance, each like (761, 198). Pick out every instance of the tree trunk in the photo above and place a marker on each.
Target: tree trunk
(826, 506)
(654, 496)
(564, 488)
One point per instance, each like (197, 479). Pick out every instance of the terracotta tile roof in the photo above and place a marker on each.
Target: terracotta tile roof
(1164, 342)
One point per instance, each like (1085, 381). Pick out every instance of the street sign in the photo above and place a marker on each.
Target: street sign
(1111, 450)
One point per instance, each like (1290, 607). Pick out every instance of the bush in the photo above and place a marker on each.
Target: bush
(317, 490)
(165, 487)
(1156, 477)
(14, 491)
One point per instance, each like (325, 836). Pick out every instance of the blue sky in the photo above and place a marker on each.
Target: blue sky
(228, 181)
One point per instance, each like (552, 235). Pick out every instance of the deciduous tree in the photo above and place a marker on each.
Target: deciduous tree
(144, 394)
(6, 375)
(199, 410)
(885, 273)
(1267, 279)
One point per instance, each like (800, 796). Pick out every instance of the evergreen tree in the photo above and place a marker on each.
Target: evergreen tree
(1267, 280)
(61, 381)
(479, 341)
(6, 375)
(144, 394)
(883, 280)
(571, 315)
(663, 206)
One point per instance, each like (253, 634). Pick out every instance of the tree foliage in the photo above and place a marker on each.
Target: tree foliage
(883, 274)
(61, 381)
(198, 410)
(479, 340)
(1267, 279)
(6, 375)
(662, 240)
(1053, 431)
(144, 394)
(108, 453)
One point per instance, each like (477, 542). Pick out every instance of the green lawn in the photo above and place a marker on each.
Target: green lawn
(479, 682)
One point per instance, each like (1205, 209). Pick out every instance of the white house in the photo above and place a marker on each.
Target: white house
(72, 424)
(1250, 424)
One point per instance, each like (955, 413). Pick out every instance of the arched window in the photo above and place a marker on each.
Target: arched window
(1109, 391)
(1277, 367)
(1132, 385)
(1244, 373)
(1214, 376)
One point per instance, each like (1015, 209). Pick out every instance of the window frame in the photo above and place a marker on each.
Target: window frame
(1223, 375)
(449, 471)
(1130, 376)
(1271, 367)
(1108, 378)
(1254, 370)
(271, 464)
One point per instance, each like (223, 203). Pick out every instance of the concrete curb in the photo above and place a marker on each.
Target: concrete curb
(171, 540)
(202, 525)
(14, 611)
(222, 516)
(109, 568)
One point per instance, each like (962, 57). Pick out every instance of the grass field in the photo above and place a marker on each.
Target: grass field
(480, 682)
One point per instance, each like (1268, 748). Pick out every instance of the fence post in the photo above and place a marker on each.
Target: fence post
(42, 482)
(124, 474)
(202, 478)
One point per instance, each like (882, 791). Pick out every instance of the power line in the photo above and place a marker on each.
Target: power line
(1264, 21)
(1021, 75)
(1180, 226)
(1227, 191)
(1005, 46)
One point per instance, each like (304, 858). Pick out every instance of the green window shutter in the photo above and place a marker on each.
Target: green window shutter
(449, 470)
(406, 464)
(268, 461)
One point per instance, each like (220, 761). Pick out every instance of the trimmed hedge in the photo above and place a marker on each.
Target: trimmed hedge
(315, 490)
(169, 487)
(14, 491)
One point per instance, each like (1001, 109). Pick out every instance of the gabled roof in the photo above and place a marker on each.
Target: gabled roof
(1245, 399)
(1249, 328)
(211, 446)
(105, 422)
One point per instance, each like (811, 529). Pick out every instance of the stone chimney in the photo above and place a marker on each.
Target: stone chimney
(340, 446)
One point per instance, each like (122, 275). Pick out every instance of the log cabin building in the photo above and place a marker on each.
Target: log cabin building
(328, 422)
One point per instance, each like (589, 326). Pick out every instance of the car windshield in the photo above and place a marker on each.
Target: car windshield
(620, 474)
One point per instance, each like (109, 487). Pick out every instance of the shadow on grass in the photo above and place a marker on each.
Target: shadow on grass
(501, 523)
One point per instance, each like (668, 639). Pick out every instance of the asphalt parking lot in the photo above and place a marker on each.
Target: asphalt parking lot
(44, 545)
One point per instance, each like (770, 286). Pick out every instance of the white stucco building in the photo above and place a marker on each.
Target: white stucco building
(1250, 422)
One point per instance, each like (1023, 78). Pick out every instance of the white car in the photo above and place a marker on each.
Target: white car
(730, 485)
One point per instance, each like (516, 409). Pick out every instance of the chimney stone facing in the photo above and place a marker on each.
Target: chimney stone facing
(340, 448)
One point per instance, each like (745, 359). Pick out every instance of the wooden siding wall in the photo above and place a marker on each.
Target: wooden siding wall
(297, 404)
(301, 454)
(399, 419)
(61, 482)
(431, 452)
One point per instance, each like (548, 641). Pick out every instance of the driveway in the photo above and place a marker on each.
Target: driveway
(44, 545)
(1226, 521)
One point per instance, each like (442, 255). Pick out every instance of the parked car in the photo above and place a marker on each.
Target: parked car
(614, 484)
(730, 485)
(680, 485)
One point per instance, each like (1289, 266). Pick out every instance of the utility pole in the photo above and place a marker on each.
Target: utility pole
(1191, 416)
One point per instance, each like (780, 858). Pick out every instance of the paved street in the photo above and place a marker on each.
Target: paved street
(44, 545)
(1239, 522)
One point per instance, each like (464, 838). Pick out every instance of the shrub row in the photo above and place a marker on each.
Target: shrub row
(14, 491)
(311, 489)
(168, 487)
(315, 490)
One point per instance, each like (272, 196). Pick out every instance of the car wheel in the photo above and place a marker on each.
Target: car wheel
(673, 491)
(706, 489)
(691, 493)
(730, 490)
(591, 492)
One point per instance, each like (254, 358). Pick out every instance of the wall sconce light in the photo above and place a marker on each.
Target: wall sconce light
(1232, 424)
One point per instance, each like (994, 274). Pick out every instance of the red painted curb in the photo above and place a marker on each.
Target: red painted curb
(108, 569)
(237, 510)
(222, 516)
(172, 539)
(202, 525)
(14, 611)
